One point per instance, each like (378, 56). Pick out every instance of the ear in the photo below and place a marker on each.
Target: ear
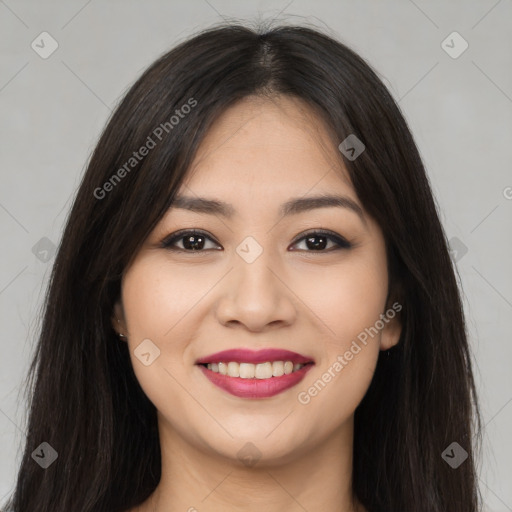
(390, 334)
(118, 319)
(392, 330)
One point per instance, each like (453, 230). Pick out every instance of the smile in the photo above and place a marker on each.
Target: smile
(248, 374)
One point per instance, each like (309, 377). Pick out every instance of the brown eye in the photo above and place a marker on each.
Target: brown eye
(316, 241)
(191, 241)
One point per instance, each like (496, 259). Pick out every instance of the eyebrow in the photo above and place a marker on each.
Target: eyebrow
(292, 207)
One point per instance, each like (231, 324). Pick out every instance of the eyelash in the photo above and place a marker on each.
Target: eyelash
(168, 242)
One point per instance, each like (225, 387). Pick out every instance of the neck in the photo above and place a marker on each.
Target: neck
(195, 481)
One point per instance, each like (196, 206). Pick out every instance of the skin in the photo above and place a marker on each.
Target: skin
(259, 154)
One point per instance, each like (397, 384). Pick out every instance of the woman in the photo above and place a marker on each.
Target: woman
(253, 305)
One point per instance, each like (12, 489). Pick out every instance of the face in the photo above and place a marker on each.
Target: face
(257, 280)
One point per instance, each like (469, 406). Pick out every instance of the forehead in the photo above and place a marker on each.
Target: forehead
(270, 146)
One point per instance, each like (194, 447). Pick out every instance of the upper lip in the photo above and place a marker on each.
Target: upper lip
(243, 355)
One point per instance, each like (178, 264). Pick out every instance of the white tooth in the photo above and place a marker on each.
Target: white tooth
(263, 371)
(277, 368)
(233, 369)
(247, 370)
(259, 371)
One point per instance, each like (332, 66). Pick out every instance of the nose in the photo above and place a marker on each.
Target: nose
(255, 296)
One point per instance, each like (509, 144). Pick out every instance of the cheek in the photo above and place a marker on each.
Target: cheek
(155, 299)
(349, 303)
(346, 298)
(165, 303)
(157, 305)
(349, 353)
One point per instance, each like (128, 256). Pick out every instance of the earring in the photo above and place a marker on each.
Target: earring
(122, 337)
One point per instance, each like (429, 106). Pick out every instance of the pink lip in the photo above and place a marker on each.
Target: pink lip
(256, 388)
(242, 355)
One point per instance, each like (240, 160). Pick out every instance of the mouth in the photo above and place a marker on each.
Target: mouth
(249, 374)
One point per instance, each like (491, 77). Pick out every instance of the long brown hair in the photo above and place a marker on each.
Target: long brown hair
(83, 397)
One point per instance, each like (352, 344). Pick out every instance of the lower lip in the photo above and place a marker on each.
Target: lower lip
(255, 388)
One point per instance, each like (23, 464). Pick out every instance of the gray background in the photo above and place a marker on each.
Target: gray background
(460, 111)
